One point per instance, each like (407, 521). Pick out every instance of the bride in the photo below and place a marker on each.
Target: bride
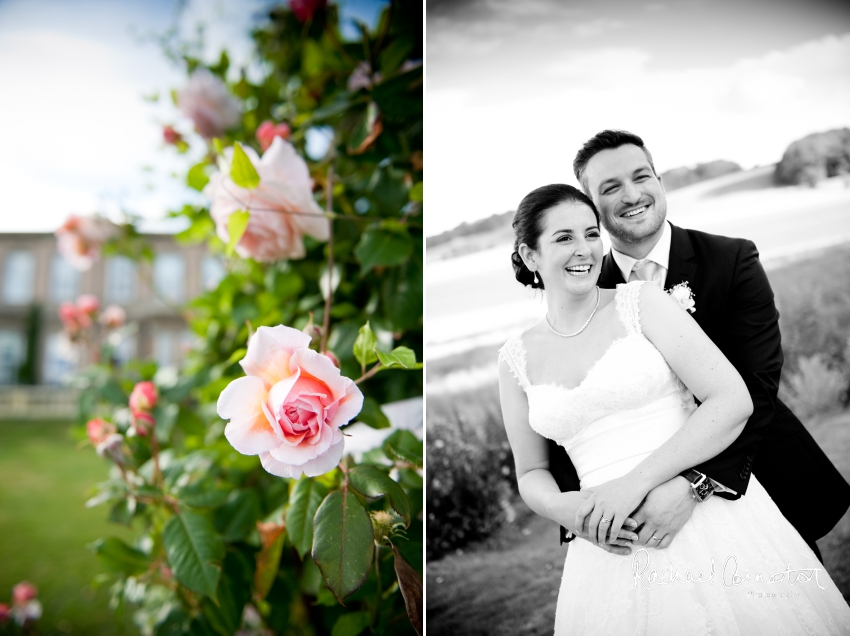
(611, 376)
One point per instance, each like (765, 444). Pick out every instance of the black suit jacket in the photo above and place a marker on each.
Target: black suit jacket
(735, 308)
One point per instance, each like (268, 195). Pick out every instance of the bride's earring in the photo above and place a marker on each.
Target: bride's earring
(536, 280)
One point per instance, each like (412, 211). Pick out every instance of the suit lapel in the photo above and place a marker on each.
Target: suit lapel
(610, 276)
(683, 264)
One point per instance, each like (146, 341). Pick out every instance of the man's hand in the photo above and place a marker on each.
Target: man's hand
(664, 512)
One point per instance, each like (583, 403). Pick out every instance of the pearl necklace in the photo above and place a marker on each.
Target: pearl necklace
(584, 326)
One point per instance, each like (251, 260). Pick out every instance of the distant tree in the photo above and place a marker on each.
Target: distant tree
(492, 222)
(815, 157)
(681, 177)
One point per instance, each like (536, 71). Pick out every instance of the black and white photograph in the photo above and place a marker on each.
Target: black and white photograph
(637, 317)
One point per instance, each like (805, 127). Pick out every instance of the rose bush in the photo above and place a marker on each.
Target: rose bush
(80, 238)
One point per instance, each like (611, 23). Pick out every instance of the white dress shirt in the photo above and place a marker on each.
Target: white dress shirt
(660, 254)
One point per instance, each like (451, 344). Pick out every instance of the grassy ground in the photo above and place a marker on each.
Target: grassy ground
(508, 584)
(44, 528)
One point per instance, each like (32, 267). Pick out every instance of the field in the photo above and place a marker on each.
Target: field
(45, 528)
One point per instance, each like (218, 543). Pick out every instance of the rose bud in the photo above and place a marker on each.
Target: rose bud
(88, 304)
(23, 592)
(268, 131)
(113, 317)
(98, 430)
(144, 397)
(313, 331)
(304, 9)
(5, 613)
(333, 358)
(68, 314)
(143, 422)
(171, 136)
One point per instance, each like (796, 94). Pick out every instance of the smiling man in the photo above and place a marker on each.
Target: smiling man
(733, 304)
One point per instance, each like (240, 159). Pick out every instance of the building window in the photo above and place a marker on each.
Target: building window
(60, 359)
(125, 350)
(12, 354)
(166, 348)
(64, 280)
(121, 280)
(18, 277)
(212, 271)
(169, 277)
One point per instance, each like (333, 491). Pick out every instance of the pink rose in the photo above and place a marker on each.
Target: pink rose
(113, 317)
(332, 357)
(88, 304)
(5, 613)
(304, 9)
(98, 430)
(23, 592)
(69, 315)
(80, 237)
(143, 397)
(206, 101)
(171, 136)
(143, 423)
(282, 206)
(268, 131)
(290, 407)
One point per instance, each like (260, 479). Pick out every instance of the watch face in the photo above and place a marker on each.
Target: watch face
(704, 490)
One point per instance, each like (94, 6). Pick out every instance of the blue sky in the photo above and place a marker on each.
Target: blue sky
(514, 88)
(78, 135)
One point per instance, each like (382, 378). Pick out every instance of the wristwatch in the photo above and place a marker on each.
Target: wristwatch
(701, 486)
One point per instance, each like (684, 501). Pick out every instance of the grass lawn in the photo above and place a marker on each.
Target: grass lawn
(45, 528)
(508, 584)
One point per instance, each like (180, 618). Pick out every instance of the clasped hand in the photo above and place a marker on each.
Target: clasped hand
(607, 507)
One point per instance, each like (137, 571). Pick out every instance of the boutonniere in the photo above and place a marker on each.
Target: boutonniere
(683, 295)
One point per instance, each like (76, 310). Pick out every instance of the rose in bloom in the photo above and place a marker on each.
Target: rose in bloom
(206, 101)
(290, 407)
(684, 296)
(23, 592)
(268, 131)
(282, 206)
(143, 397)
(113, 317)
(80, 238)
(88, 304)
(171, 136)
(70, 318)
(304, 9)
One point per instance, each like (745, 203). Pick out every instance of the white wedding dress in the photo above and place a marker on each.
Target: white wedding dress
(736, 568)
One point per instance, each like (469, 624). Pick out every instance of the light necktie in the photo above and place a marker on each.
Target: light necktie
(646, 269)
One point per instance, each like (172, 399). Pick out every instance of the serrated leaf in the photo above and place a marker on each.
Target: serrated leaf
(404, 445)
(379, 247)
(194, 550)
(119, 557)
(343, 542)
(237, 223)
(371, 482)
(304, 501)
(410, 584)
(372, 414)
(197, 177)
(398, 358)
(350, 624)
(417, 192)
(364, 346)
(242, 171)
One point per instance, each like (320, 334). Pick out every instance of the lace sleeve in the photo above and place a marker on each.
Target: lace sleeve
(513, 353)
(628, 305)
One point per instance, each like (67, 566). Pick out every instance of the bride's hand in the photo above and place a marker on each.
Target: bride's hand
(608, 507)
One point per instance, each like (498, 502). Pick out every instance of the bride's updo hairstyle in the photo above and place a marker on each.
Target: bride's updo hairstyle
(528, 223)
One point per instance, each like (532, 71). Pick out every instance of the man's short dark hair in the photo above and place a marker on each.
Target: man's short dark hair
(605, 140)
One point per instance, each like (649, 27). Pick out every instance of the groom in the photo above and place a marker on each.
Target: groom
(734, 306)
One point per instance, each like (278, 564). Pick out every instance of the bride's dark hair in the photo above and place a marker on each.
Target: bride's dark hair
(528, 222)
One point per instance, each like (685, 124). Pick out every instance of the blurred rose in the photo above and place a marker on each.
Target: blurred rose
(98, 430)
(268, 131)
(69, 315)
(80, 237)
(143, 423)
(362, 77)
(23, 592)
(113, 317)
(113, 448)
(5, 613)
(304, 9)
(290, 406)
(171, 136)
(143, 397)
(88, 304)
(282, 206)
(332, 356)
(206, 101)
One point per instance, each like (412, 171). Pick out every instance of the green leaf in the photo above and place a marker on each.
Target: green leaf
(350, 624)
(311, 58)
(119, 557)
(398, 358)
(218, 145)
(194, 550)
(380, 247)
(410, 584)
(395, 54)
(239, 514)
(372, 414)
(371, 482)
(303, 503)
(416, 192)
(237, 223)
(403, 445)
(197, 177)
(242, 171)
(343, 542)
(225, 615)
(364, 346)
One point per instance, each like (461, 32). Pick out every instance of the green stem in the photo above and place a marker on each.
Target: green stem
(326, 319)
(379, 591)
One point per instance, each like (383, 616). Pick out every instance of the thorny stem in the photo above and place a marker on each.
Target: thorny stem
(326, 319)
(369, 373)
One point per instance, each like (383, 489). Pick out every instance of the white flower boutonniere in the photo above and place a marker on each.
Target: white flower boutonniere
(683, 294)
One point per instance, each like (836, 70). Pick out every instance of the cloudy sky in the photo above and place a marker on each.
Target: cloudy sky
(514, 88)
(77, 134)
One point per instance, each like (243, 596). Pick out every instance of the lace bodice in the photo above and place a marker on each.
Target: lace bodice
(631, 374)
